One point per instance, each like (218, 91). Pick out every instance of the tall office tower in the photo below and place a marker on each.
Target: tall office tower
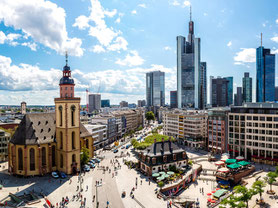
(173, 99)
(247, 88)
(276, 93)
(238, 97)
(203, 86)
(124, 104)
(94, 102)
(265, 80)
(219, 92)
(155, 88)
(230, 90)
(189, 81)
(141, 103)
(105, 103)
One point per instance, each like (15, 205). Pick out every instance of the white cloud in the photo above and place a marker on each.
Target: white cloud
(142, 5)
(246, 55)
(106, 36)
(32, 46)
(42, 20)
(229, 44)
(180, 3)
(131, 59)
(118, 44)
(167, 48)
(276, 21)
(133, 12)
(186, 3)
(9, 39)
(205, 14)
(275, 38)
(97, 49)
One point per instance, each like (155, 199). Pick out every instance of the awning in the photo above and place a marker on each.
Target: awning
(234, 166)
(240, 158)
(219, 163)
(220, 193)
(243, 163)
(229, 161)
(223, 170)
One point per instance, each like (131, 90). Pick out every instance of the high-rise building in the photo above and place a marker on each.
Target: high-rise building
(155, 88)
(230, 90)
(105, 103)
(173, 99)
(141, 103)
(219, 92)
(265, 80)
(276, 93)
(247, 88)
(203, 86)
(238, 97)
(94, 102)
(124, 104)
(191, 74)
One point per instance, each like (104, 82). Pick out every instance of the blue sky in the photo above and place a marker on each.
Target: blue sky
(113, 43)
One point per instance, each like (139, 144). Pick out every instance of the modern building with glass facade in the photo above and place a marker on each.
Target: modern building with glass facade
(155, 88)
(191, 74)
(230, 89)
(265, 81)
(219, 92)
(247, 88)
(203, 86)
(173, 99)
(105, 103)
(94, 102)
(238, 97)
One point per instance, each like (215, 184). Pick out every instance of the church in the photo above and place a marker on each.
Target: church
(46, 142)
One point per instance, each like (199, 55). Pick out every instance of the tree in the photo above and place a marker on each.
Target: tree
(84, 156)
(270, 179)
(258, 187)
(150, 116)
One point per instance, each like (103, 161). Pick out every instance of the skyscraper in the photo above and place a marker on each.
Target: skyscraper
(219, 92)
(247, 88)
(203, 88)
(173, 99)
(155, 88)
(105, 103)
(265, 80)
(191, 74)
(238, 97)
(230, 90)
(94, 102)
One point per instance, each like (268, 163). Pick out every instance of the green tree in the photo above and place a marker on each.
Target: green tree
(84, 156)
(258, 187)
(244, 194)
(150, 116)
(270, 178)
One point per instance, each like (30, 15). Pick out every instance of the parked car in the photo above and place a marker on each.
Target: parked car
(127, 146)
(62, 175)
(86, 168)
(92, 165)
(95, 160)
(116, 150)
(92, 161)
(123, 147)
(54, 175)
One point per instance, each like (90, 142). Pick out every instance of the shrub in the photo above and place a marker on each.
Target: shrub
(173, 168)
(190, 162)
(161, 184)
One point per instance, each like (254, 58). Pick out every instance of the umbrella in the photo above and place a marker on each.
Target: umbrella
(234, 166)
(209, 199)
(240, 158)
(213, 191)
(226, 154)
(166, 176)
(229, 161)
(170, 173)
(161, 178)
(162, 173)
(219, 163)
(208, 194)
(243, 163)
(223, 170)
(224, 158)
(155, 174)
(217, 189)
(213, 201)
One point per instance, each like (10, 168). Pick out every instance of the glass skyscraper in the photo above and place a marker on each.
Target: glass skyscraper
(230, 89)
(247, 88)
(265, 80)
(191, 75)
(155, 88)
(173, 99)
(219, 92)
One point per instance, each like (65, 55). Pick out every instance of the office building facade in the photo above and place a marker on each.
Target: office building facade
(173, 99)
(265, 80)
(238, 97)
(230, 90)
(155, 88)
(141, 103)
(94, 102)
(247, 88)
(219, 92)
(124, 104)
(105, 103)
(191, 74)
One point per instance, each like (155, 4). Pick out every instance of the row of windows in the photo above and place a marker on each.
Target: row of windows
(73, 108)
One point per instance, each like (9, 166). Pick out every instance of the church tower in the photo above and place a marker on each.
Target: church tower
(67, 125)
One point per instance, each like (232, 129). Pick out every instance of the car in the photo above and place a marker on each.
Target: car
(95, 160)
(86, 168)
(62, 175)
(92, 161)
(54, 174)
(92, 165)
(123, 147)
(116, 150)
(127, 146)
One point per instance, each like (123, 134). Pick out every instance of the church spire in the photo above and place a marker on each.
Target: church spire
(66, 58)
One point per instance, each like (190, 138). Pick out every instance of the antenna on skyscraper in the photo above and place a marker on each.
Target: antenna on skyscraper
(190, 13)
(261, 39)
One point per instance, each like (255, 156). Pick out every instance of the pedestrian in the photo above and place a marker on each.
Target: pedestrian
(141, 182)
(87, 188)
(149, 182)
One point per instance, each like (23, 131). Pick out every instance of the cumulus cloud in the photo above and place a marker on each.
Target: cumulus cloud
(180, 3)
(42, 20)
(142, 5)
(229, 44)
(9, 39)
(276, 21)
(131, 59)
(97, 49)
(133, 12)
(32, 46)
(246, 55)
(167, 48)
(275, 38)
(109, 38)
